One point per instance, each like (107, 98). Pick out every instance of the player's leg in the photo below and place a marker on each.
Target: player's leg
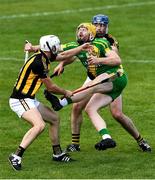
(76, 122)
(57, 104)
(34, 118)
(52, 118)
(127, 123)
(101, 88)
(96, 102)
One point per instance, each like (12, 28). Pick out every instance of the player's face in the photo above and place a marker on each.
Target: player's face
(100, 29)
(83, 34)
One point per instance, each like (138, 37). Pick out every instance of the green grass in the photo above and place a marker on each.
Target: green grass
(133, 26)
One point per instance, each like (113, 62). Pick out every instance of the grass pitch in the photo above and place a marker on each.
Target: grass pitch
(132, 23)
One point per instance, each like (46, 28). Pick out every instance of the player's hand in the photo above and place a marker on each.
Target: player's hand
(28, 47)
(93, 60)
(87, 47)
(68, 93)
(59, 69)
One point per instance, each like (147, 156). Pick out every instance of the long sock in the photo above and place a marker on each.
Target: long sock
(56, 149)
(20, 151)
(76, 139)
(104, 133)
(139, 139)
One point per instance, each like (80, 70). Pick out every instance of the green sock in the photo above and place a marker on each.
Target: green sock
(104, 133)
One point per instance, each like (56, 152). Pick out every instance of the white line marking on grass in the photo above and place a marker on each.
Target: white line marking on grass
(126, 61)
(10, 59)
(77, 10)
(140, 61)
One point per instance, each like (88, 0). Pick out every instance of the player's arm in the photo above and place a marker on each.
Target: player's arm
(114, 48)
(60, 67)
(65, 55)
(50, 86)
(113, 42)
(111, 59)
(42, 71)
(31, 48)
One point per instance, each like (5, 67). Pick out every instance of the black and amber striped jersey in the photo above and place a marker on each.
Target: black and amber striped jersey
(112, 40)
(30, 75)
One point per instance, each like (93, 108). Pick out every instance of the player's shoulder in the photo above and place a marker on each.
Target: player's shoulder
(37, 55)
(38, 58)
(101, 42)
(110, 38)
(113, 41)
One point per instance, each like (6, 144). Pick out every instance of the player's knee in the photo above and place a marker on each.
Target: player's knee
(89, 110)
(40, 127)
(55, 121)
(77, 108)
(55, 118)
(117, 115)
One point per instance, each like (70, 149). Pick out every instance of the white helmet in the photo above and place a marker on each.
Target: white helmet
(50, 43)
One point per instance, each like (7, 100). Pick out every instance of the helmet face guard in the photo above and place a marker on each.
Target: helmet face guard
(102, 20)
(52, 51)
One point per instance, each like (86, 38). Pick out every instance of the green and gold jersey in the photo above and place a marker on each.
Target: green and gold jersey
(29, 78)
(100, 47)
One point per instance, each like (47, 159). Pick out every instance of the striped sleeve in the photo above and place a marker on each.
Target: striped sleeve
(103, 45)
(69, 45)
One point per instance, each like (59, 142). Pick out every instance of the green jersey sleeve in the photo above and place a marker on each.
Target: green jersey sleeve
(69, 45)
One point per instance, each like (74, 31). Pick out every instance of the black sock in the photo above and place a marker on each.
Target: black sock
(69, 100)
(139, 139)
(20, 151)
(57, 149)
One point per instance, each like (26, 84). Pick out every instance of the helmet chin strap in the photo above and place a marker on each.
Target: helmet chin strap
(107, 29)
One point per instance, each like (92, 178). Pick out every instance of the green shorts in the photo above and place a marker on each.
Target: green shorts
(118, 86)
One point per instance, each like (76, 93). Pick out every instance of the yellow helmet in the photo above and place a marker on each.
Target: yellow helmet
(91, 29)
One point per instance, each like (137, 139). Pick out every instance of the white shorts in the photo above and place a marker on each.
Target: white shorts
(19, 106)
(87, 80)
